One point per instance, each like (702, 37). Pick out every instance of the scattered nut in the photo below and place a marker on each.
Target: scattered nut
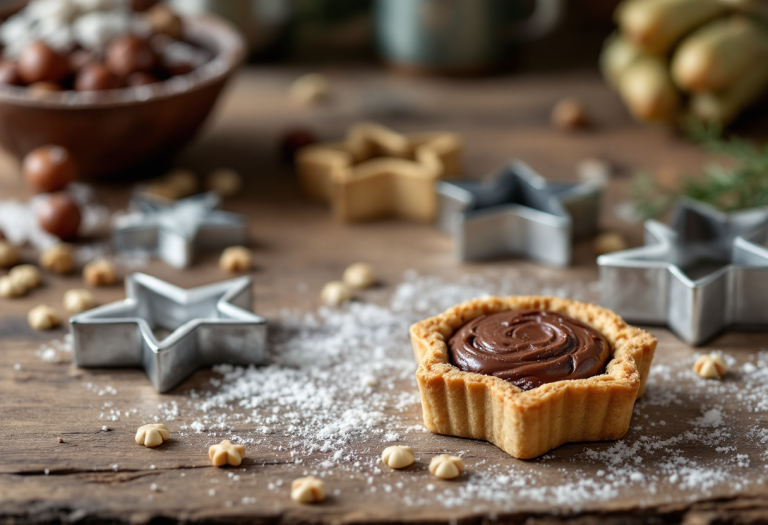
(78, 300)
(10, 288)
(49, 168)
(335, 293)
(711, 366)
(43, 317)
(445, 466)
(360, 275)
(226, 453)
(152, 435)
(309, 89)
(58, 258)
(308, 490)
(9, 254)
(569, 114)
(398, 456)
(183, 181)
(609, 242)
(100, 272)
(224, 181)
(26, 275)
(594, 170)
(236, 259)
(59, 215)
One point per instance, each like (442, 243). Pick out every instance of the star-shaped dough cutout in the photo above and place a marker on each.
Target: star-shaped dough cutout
(706, 273)
(205, 326)
(176, 230)
(377, 173)
(226, 453)
(518, 213)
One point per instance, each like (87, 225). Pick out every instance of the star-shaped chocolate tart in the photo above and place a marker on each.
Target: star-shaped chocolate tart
(377, 173)
(517, 213)
(705, 273)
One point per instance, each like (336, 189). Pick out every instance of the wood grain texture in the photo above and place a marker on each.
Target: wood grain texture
(298, 247)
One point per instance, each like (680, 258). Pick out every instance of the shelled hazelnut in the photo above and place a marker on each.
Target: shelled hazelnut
(569, 114)
(78, 300)
(710, 366)
(100, 272)
(226, 453)
(335, 293)
(308, 490)
(26, 275)
(58, 258)
(10, 288)
(310, 88)
(96, 77)
(236, 259)
(398, 456)
(446, 466)
(40, 63)
(224, 181)
(609, 242)
(59, 216)
(49, 168)
(360, 275)
(9, 254)
(129, 54)
(43, 317)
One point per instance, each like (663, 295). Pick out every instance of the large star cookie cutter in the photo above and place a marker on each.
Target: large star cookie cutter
(377, 173)
(707, 272)
(207, 325)
(527, 424)
(518, 213)
(176, 231)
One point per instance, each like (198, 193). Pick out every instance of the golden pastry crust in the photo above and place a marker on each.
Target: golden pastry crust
(527, 424)
(377, 172)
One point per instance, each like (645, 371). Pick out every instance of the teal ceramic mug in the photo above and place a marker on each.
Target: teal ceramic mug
(457, 36)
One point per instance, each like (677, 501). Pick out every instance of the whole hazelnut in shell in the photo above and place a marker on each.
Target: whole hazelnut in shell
(59, 216)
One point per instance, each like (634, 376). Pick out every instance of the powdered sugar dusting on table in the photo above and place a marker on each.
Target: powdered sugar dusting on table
(342, 386)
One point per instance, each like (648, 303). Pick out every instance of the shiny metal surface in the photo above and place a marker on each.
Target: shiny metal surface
(707, 272)
(518, 213)
(175, 231)
(208, 325)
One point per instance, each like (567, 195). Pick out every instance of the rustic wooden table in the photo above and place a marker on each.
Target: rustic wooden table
(697, 451)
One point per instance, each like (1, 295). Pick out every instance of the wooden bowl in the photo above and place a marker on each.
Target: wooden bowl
(127, 132)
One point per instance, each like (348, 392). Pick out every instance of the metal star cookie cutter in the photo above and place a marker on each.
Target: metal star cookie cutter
(377, 172)
(706, 273)
(208, 325)
(175, 231)
(519, 213)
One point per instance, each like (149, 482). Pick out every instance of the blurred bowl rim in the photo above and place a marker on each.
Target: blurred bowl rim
(205, 30)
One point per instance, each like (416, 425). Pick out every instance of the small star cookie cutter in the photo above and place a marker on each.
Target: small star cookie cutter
(175, 231)
(377, 173)
(705, 273)
(519, 213)
(208, 325)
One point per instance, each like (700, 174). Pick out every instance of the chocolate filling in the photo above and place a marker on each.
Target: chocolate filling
(529, 348)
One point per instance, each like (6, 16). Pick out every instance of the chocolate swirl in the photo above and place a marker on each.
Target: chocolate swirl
(529, 348)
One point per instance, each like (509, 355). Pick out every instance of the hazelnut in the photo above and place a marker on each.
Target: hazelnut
(711, 366)
(335, 293)
(11, 288)
(176, 184)
(236, 259)
(398, 456)
(78, 300)
(226, 453)
(128, 54)
(57, 258)
(445, 466)
(26, 275)
(360, 275)
(293, 141)
(609, 242)
(152, 435)
(49, 168)
(43, 317)
(96, 77)
(9, 74)
(39, 63)
(594, 170)
(9, 254)
(59, 216)
(309, 89)
(224, 181)
(308, 490)
(139, 78)
(162, 20)
(100, 272)
(569, 114)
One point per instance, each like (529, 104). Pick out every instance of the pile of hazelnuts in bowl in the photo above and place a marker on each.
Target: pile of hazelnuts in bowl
(94, 45)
